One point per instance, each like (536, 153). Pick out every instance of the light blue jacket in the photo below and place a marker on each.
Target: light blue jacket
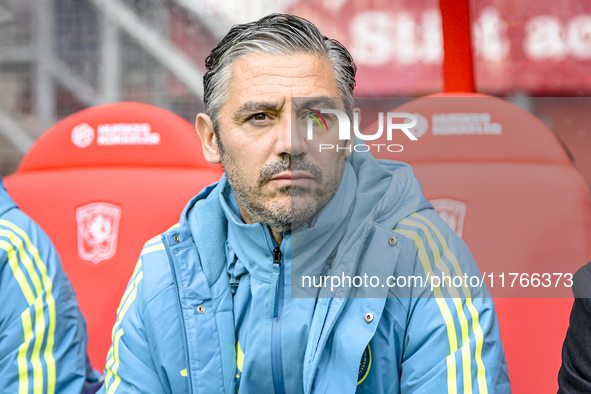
(42, 332)
(209, 308)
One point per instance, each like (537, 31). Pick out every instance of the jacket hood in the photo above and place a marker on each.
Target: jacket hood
(387, 192)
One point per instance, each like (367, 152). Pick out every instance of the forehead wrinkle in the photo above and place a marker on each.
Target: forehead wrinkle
(254, 106)
(257, 63)
(315, 102)
(315, 75)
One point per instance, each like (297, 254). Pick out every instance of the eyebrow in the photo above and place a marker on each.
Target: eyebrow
(255, 106)
(315, 102)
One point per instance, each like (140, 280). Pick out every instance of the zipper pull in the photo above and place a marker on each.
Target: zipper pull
(272, 303)
(277, 256)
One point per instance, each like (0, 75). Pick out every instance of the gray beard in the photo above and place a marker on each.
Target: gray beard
(276, 216)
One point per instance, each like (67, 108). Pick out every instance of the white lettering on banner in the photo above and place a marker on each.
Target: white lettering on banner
(546, 38)
(464, 124)
(490, 36)
(380, 37)
(126, 134)
(333, 5)
(579, 37)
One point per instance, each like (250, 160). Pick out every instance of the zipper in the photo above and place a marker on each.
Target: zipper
(178, 294)
(277, 287)
(325, 331)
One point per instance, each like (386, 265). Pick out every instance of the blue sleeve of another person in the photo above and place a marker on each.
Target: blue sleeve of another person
(42, 331)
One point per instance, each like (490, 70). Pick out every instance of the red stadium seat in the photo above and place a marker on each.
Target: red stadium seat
(503, 182)
(101, 183)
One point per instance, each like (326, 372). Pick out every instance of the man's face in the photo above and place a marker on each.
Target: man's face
(279, 177)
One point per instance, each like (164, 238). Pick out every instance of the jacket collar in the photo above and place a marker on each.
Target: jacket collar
(306, 248)
(252, 244)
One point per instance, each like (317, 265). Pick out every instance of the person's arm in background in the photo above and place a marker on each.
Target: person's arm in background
(42, 332)
(575, 373)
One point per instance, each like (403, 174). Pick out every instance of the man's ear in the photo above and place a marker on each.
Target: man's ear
(204, 127)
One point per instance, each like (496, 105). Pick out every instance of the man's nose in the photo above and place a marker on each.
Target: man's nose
(290, 139)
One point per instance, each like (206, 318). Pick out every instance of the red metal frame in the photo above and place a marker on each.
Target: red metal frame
(458, 68)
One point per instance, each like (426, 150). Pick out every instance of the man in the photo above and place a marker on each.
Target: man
(42, 332)
(575, 373)
(212, 304)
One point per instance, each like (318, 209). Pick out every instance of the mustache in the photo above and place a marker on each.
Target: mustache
(289, 163)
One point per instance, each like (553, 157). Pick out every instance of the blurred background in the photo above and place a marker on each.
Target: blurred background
(60, 56)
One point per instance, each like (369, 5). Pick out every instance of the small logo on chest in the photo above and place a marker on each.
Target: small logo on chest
(364, 365)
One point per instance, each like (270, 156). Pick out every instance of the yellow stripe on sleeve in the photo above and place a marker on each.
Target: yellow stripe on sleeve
(113, 371)
(476, 328)
(112, 380)
(128, 290)
(17, 272)
(23, 367)
(443, 308)
(39, 318)
(153, 248)
(42, 286)
(466, 357)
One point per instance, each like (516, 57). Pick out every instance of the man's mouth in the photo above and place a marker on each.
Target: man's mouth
(292, 178)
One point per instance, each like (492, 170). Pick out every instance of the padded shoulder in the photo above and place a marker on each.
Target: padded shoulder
(156, 268)
(582, 282)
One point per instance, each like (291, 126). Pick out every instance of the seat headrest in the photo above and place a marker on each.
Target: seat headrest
(472, 127)
(119, 134)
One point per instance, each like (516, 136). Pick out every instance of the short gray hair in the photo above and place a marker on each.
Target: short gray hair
(274, 34)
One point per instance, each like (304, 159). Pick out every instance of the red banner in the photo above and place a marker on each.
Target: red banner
(539, 47)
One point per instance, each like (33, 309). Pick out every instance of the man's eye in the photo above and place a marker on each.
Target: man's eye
(259, 117)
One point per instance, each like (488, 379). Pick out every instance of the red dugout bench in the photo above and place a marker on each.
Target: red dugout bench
(504, 183)
(101, 183)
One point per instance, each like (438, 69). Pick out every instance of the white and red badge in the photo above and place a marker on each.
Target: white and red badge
(82, 135)
(453, 212)
(98, 228)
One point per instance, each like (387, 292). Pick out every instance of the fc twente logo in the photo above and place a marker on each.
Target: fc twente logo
(453, 212)
(98, 227)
